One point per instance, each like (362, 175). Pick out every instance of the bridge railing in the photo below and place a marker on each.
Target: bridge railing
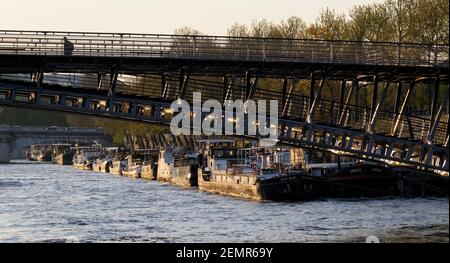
(223, 48)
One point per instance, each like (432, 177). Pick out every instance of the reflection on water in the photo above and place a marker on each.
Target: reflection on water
(49, 203)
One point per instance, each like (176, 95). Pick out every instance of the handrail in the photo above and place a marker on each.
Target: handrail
(212, 36)
(223, 48)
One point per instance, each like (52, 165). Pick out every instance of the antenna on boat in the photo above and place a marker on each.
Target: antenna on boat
(98, 144)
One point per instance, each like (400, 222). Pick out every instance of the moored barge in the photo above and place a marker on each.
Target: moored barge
(149, 166)
(132, 168)
(63, 154)
(178, 167)
(257, 174)
(85, 156)
(101, 165)
(40, 153)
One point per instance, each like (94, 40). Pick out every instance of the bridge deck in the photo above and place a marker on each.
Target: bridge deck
(146, 53)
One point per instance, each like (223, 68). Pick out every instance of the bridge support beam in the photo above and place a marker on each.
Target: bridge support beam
(312, 87)
(100, 78)
(310, 118)
(398, 96)
(228, 87)
(346, 109)
(284, 95)
(356, 90)
(251, 85)
(184, 79)
(225, 89)
(38, 78)
(164, 86)
(113, 80)
(403, 108)
(341, 99)
(374, 96)
(287, 93)
(372, 124)
(434, 102)
(446, 138)
(437, 119)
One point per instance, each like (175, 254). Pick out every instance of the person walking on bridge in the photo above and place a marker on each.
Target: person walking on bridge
(68, 47)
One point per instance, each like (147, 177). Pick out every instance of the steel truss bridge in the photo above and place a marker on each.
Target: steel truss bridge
(136, 77)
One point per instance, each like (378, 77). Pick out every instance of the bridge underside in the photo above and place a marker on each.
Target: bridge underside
(16, 141)
(158, 66)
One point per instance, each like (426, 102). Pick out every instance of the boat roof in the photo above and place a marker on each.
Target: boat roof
(327, 165)
(276, 148)
(217, 141)
(90, 150)
(225, 148)
(146, 151)
(242, 165)
(112, 148)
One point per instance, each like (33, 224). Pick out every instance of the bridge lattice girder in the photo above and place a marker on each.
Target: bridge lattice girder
(340, 140)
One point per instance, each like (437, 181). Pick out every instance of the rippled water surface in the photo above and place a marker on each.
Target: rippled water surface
(49, 203)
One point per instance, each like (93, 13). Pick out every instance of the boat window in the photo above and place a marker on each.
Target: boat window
(218, 154)
(224, 153)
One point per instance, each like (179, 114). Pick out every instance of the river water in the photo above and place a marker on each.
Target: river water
(50, 203)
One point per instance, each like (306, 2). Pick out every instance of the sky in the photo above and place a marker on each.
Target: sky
(156, 16)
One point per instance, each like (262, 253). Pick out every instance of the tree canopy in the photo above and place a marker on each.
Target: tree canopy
(417, 21)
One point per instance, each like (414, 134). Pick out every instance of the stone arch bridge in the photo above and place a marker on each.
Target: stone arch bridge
(15, 140)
